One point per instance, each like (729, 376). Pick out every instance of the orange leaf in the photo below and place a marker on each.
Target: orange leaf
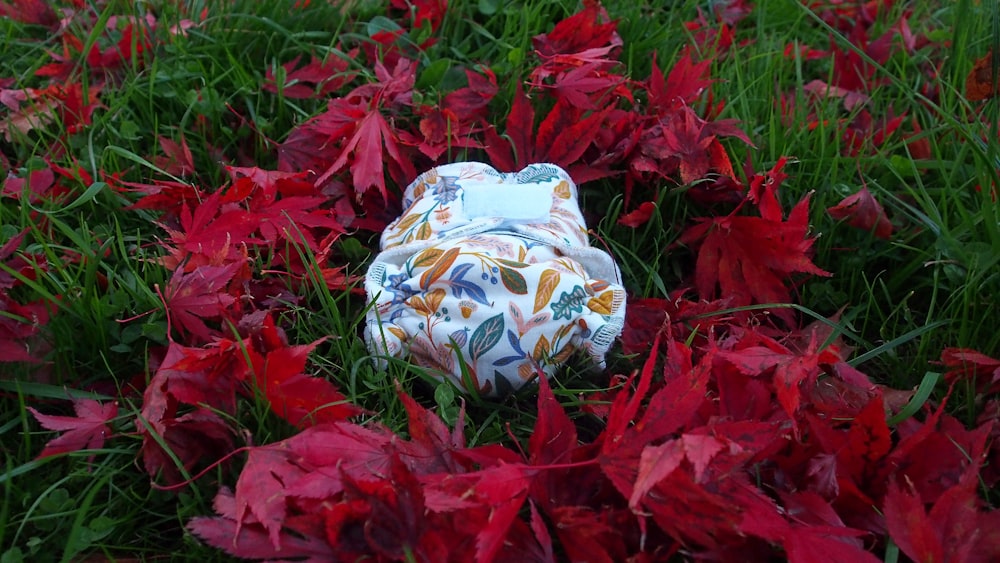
(547, 284)
(439, 268)
(979, 85)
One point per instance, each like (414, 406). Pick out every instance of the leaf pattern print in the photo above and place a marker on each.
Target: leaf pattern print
(569, 302)
(460, 285)
(486, 336)
(547, 284)
(425, 258)
(513, 281)
(439, 268)
(515, 344)
(446, 191)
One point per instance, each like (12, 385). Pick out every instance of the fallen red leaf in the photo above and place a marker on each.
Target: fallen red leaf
(176, 159)
(472, 100)
(969, 365)
(35, 12)
(981, 83)
(953, 530)
(432, 446)
(252, 541)
(315, 79)
(431, 12)
(366, 130)
(586, 29)
(749, 259)
(194, 297)
(301, 399)
(86, 431)
(682, 86)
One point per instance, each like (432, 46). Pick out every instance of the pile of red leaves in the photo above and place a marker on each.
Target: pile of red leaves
(739, 439)
(741, 452)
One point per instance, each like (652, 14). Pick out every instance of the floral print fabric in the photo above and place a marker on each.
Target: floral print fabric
(492, 301)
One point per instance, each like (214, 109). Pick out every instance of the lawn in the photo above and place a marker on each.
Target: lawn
(801, 197)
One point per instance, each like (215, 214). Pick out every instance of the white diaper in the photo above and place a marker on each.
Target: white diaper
(491, 275)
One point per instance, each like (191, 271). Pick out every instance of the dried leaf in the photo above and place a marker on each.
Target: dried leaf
(981, 83)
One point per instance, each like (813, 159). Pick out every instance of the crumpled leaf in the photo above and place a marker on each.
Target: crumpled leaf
(862, 211)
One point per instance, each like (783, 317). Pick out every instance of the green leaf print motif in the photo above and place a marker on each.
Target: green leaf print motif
(513, 281)
(569, 303)
(486, 336)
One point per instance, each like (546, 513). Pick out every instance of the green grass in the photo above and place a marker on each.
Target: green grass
(936, 283)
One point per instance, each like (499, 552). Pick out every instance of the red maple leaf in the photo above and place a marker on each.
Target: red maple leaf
(683, 86)
(313, 464)
(208, 375)
(432, 447)
(638, 216)
(197, 436)
(969, 365)
(287, 208)
(317, 78)
(866, 444)
(682, 141)
(863, 212)
(749, 259)
(458, 120)
(19, 324)
(791, 373)
(252, 541)
(865, 132)
(301, 399)
(162, 195)
(563, 137)
(554, 434)
(936, 455)
(87, 430)
(367, 167)
(431, 12)
(587, 534)
(584, 30)
(36, 186)
(582, 86)
(394, 518)
(176, 159)
(131, 47)
(370, 131)
(472, 100)
(12, 262)
(192, 297)
(210, 234)
(670, 409)
(953, 530)
(262, 489)
(31, 12)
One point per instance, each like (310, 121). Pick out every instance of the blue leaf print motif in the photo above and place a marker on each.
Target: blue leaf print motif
(459, 285)
(569, 303)
(515, 343)
(396, 284)
(446, 190)
(485, 337)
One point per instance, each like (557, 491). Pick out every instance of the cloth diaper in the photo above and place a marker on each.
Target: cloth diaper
(488, 279)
